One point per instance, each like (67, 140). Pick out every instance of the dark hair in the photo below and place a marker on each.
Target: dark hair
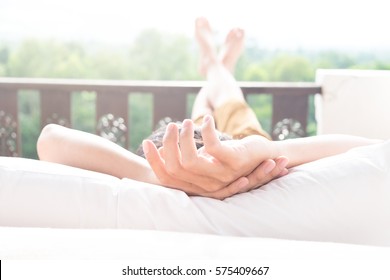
(157, 136)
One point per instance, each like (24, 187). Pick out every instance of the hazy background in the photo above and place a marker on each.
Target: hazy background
(359, 24)
(153, 40)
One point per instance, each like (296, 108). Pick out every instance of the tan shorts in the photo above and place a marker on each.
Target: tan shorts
(236, 119)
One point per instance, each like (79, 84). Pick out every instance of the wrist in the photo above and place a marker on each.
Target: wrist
(262, 148)
(150, 177)
(142, 172)
(277, 149)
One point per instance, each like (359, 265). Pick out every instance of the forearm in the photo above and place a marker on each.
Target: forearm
(91, 152)
(303, 150)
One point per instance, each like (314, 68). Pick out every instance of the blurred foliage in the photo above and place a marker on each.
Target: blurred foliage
(29, 120)
(84, 111)
(141, 118)
(157, 56)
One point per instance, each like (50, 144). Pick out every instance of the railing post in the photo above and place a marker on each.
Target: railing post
(9, 123)
(55, 107)
(289, 116)
(169, 104)
(112, 116)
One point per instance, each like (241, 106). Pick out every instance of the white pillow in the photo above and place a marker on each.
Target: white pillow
(42, 194)
(354, 102)
(345, 198)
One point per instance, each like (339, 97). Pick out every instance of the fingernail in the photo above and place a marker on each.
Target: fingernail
(243, 184)
(283, 161)
(186, 124)
(170, 126)
(284, 172)
(269, 166)
(145, 147)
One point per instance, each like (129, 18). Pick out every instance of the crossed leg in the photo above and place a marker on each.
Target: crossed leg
(221, 86)
(221, 96)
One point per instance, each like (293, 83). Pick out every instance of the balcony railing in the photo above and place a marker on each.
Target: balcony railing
(289, 103)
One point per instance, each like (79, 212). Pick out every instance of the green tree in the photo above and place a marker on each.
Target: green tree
(157, 56)
(335, 59)
(255, 72)
(51, 59)
(291, 68)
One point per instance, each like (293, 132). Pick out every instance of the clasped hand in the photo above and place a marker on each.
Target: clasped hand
(219, 169)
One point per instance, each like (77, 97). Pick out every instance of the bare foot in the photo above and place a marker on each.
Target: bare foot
(232, 49)
(203, 35)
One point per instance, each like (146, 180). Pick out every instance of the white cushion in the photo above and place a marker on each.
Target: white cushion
(354, 102)
(125, 244)
(344, 198)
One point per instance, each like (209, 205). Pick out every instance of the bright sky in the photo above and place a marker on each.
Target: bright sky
(361, 24)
